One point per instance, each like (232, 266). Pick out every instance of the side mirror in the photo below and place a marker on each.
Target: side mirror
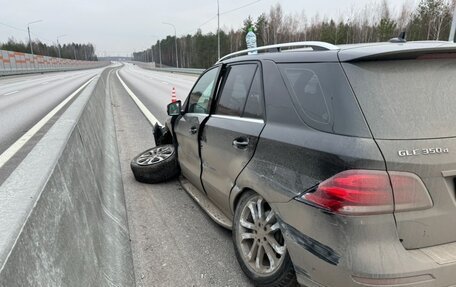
(174, 109)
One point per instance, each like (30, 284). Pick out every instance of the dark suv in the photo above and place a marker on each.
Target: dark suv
(333, 166)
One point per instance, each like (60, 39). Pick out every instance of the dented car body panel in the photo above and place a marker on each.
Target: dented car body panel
(307, 125)
(360, 247)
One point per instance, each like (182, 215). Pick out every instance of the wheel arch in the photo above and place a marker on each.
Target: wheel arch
(165, 134)
(235, 195)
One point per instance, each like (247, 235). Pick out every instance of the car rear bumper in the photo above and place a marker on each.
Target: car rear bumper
(329, 250)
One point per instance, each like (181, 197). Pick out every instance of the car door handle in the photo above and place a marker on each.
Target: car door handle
(241, 143)
(193, 130)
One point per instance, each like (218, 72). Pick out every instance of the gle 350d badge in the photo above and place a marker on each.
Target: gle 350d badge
(422, 151)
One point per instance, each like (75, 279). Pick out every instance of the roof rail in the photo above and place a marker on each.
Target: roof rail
(316, 45)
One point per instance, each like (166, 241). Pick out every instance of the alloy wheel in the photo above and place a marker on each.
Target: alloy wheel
(155, 155)
(261, 241)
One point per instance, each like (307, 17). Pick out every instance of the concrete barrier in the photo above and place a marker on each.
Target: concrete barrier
(14, 63)
(63, 218)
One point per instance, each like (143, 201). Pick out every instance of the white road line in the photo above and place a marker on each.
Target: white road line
(44, 83)
(10, 93)
(14, 148)
(149, 116)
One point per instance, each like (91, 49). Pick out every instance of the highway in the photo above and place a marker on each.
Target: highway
(26, 101)
(174, 242)
(154, 88)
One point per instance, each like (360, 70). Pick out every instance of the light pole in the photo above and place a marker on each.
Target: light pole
(218, 29)
(58, 44)
(453, 27)
(175, 38)
(159, 53)
(30, 38)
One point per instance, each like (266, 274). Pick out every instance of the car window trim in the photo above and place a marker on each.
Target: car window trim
(221, 78)
(262, 100)
(248, 92)
(196, 114)
(225, 77)
(252, 120)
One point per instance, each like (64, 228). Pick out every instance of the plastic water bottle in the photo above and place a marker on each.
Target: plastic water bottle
(250, 38)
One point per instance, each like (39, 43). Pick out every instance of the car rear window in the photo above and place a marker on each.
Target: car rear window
(323, 98)
(406, 99)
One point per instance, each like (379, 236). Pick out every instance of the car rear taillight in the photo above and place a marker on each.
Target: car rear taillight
(360, 192)
(409, 192)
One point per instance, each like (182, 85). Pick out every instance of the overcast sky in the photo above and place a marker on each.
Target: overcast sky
(120, 27)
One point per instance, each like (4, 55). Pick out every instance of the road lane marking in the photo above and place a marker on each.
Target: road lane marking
(15, 147)
(44, 83)
(149, 116)
(11, 93)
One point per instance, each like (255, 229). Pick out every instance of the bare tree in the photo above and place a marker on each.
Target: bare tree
(275, 21)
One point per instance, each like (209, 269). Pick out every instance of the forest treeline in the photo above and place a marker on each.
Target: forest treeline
(68, 51)
(429, 20)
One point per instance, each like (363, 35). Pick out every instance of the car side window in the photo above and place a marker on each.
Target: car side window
(201, 95)
(235, 89)
(254, 105)
(305, 86)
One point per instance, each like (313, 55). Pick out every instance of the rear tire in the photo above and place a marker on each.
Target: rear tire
(156, 165)
(259, 245)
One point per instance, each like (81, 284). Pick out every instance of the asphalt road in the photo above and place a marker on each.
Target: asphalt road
(174, 242)
(26, 100)
(154, 88)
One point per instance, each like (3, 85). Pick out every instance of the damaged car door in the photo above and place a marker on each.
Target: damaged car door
(188, 126)
(230, 135)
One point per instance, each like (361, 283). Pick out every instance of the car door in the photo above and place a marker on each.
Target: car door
(187, 127)
(231, 133)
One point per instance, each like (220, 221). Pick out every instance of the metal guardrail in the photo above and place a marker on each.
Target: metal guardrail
(151, 66)
(180, 70)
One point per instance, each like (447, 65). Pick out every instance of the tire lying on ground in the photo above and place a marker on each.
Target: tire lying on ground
(156, 165)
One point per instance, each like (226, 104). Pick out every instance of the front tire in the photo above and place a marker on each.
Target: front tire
(259, 243)
(156, 165)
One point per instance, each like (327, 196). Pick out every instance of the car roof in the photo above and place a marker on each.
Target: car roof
(386, 50)
(353, 52)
